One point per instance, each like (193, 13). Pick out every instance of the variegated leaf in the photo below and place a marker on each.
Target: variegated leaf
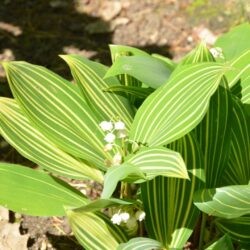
(178, 106)
(140, 243)
(237, 171)
(56, 109)
(105, 105)
(32, 144)
(95, 230)
(226, 202)
(168, 202)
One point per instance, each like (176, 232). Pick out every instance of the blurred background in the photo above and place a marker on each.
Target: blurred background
(38, 31)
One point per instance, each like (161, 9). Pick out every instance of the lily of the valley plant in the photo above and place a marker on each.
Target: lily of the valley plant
(168, 141)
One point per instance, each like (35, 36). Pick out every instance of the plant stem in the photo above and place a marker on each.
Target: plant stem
(202, 230)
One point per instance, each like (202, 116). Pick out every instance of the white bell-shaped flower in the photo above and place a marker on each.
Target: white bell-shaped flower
(116, 219)
(110, 137)
(119, 125)
(140, 215)
(124, 216)
(106, 126)
(117, 159)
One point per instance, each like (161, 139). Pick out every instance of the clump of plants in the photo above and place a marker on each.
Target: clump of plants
(168, 141)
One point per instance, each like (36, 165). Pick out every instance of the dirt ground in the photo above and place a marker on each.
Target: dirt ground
(38, 31)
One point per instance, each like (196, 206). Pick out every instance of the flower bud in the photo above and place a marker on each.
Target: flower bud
(140, 215)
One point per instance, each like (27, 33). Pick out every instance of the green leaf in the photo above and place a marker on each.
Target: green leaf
(36, 193)
(105, 105)
(149, 70)
(135, 91)
(223, 243)
(159, 161)
(168, 202)
(238, 229)
(169, 63)
(95, 231)
(178, 106)
(246, 90)
(214, 135)
(241, 68)
(118, 173)
(123, 50)
(237, 171)
(140, 243)
(100, 204)
(57, 110)
(32, 144)
(235, 41)
(226, 202)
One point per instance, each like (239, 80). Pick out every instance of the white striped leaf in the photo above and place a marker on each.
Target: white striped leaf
(105, 105)
(155, 161)
(146, 164)
(32, 144)
(223, 243)
(226, 202)
(178, 106)
(245, 92)
(214, 131)
(95, 230)
(238, 229)
(199, 54)
(168, 202)
(237, 171)
(140, 243)
(55, 108)
(36, 193)
(214, 135)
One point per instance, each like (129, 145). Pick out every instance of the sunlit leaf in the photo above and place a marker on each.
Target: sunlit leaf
(33, 145)
(95, 231)
(178, 106)
(36, 193)
(105, 105)
(149, 70)
(57, 110)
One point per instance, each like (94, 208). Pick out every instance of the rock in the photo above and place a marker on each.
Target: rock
(10, 237)
(110, 9)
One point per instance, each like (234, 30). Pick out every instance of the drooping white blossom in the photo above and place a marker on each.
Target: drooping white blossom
(124, 216)
(117, 159)
(110, 137)
(106, 126)
(140, 215)
(119, 125)
(116, 219)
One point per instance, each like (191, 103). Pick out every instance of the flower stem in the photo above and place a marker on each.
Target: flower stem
(202, 230)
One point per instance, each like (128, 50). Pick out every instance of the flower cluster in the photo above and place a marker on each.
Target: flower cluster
(217, 52)
(129, 219)
(113, 131)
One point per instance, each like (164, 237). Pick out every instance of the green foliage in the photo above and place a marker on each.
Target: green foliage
(169, 141)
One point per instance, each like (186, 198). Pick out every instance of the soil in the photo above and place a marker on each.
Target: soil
(38, 31)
